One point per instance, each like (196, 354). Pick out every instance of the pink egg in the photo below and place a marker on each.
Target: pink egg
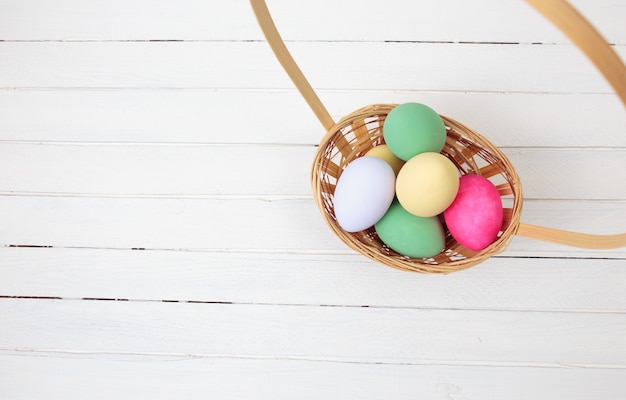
(475, 216)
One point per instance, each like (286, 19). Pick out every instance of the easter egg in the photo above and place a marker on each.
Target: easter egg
(475, 216)
(410, 235)
(413, 128)
(384, 153)
(427, 184)
(363, 194)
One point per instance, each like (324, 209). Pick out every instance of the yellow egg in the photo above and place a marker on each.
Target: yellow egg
(383, 152)
(427, 184)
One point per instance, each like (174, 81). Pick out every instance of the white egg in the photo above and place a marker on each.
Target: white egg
(363, 194)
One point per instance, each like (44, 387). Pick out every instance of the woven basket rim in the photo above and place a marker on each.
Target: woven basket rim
(390, 258)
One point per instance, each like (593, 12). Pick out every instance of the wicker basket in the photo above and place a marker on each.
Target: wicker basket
(361, 130)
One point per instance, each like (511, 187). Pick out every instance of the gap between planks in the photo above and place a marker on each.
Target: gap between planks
(260, 197)
(72, 143)
(26, 352)
(283, 251)
(227, 89)
(309, 305)
(232, 250)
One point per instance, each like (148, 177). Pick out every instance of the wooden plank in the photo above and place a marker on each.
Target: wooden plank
(137, 116)
(61, 375)
(524, 284)
(189, 170)
(349, 334)
(233, 224)
(220, 65)
(442, 20)
(208, 170)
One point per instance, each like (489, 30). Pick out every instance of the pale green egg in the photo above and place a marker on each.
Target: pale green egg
(413, 128)
(410, 235)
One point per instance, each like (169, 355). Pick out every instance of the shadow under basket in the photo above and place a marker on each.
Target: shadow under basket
(354, 135)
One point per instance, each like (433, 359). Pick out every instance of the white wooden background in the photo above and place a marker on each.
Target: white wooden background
(159, 239)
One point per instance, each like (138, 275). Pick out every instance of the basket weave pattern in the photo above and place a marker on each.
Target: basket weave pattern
(360, 131)
(354, 135)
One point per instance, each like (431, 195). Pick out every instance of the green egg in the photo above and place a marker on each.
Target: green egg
(410, 235)
(413, 128)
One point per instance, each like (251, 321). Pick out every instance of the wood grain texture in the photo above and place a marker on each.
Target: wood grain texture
(501, 283)
(444, 20)
(64, 375)
(226, 224)
(453, 66)
(158, 237)
(348, 334)
(156, 116)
